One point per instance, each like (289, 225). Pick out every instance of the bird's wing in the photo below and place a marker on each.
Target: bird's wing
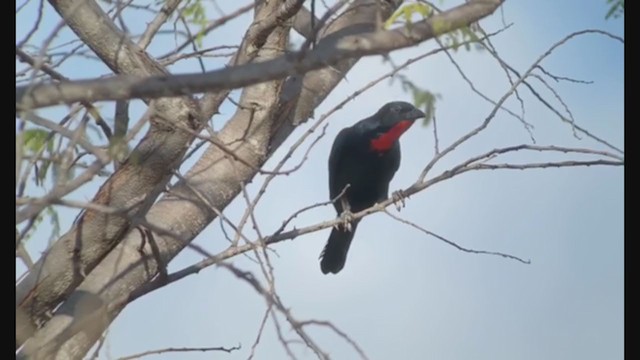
(338, 151)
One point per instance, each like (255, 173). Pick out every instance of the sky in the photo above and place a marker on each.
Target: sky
(403, 293)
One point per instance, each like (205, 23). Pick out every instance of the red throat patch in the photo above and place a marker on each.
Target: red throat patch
(385, 141)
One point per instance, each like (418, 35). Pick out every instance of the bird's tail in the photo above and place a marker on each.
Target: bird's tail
(334, 254)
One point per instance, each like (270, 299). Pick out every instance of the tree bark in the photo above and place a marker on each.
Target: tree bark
(135, 185)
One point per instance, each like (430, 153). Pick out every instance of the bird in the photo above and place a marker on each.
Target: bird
(364, 158)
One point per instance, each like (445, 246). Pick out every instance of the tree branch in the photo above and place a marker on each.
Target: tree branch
(327, 52)
(164, 13)
(449, 242)
(180, 350)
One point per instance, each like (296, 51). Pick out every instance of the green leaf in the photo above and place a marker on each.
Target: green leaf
(441, 26)
(422, 98)
(391, 20)
(407, 12)
(34, 140)
(196, 14)
(616, 10)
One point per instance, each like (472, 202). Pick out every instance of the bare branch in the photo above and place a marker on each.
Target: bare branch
(47, 124)
(558, 164)
(207, 29)
(436, 141)
(316, 25)
(521, 79)
(559, 98)
(413, 225)
(180, 350)
(164, 13)
(250, 279)
(78, 205)
(22, 254)
(285, 343)
(35, 26)
(307, 208)
(527, 125)
(414, 189)
(260, 30)
(59, 191)
(21, 6)
(175, 58)
(574, 126)
(337, 331)
(260, 329)
(557, 78)
(272, 300)
(95, 28)
(471, 164)
(193, 45)
(47, 69)
(551, 148)
(326, 53)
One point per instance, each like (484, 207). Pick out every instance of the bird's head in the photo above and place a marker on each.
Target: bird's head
(390, 122)
(397, 111)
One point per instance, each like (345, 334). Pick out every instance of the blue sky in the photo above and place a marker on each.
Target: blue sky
(402, 292)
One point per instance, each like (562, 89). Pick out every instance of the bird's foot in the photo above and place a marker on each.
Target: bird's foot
(345, 220)
(398, 199)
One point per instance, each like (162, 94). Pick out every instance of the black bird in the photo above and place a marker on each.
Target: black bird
(365, 157)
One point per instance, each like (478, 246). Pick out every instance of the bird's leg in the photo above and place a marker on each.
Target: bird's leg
(398, 199)
(347, 216)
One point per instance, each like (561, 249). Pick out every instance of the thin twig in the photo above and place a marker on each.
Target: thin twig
(175, 58)
(35, 26)
(161, 17)
(337, 331)
(557, 78)
(492, 114)
(80, 205)
(210, 27)
(98, 153)
(21, 6)
(307, 208)
(194, 46)
(180, 350)
(449, 242)
(559, 98)
(549, 106)
(251, 280)
(47, 69)
(436, 141)
(527, 125)
(260, 330)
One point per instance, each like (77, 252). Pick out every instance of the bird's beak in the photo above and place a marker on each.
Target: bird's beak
(415, 114)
